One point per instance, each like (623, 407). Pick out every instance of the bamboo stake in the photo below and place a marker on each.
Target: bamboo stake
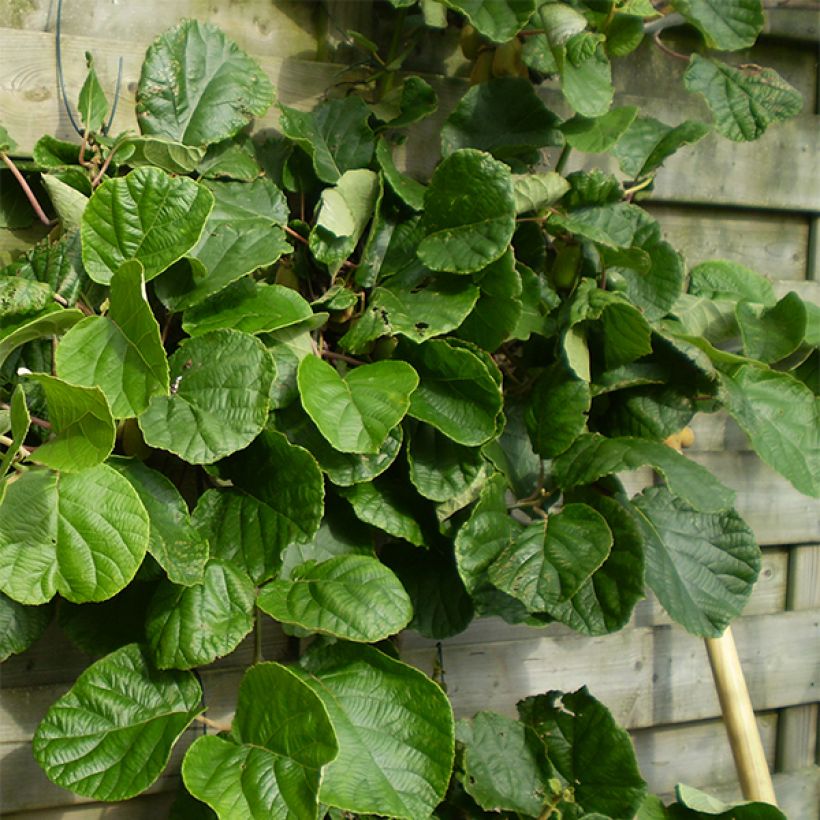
(739, 719)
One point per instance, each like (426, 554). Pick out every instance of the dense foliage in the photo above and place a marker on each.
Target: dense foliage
(278, 377)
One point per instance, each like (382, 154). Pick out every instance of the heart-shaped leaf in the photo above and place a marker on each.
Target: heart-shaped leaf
(352, 597)
(198, 87)
(20, 625)
(498, 20)
(649, 142)
(730, 25)
(119, 712)
(356, 413)
(220, 394)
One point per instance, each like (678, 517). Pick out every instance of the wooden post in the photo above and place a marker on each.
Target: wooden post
(739, 718)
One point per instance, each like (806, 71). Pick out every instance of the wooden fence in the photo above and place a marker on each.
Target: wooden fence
(758, 204)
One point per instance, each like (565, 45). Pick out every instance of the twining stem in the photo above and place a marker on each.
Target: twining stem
(330, 354)
(563, 158)
(630, 192)
(258, 656)
(41, 214)
(295, 234)
(671, 52)
(212, 724)
(46, 425)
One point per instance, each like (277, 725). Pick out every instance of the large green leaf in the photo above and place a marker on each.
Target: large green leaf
(68, 202)
(592, 456)
(591, 752)
(613, 224)
(497, 20)
(271, 765)
(20, 625)
(243, 233)
(457, 392)
(533, 192)
(110, 736)
(121, 352)
(505, 118)
(20, 296)
(288, 347)
(51, 321)
(702, 566)
(726, 25)
(780, 416)
(252, 307)
(356, 413)
(771, 334)
(59, 265)
(744, 103)
(53, 540)
(395, 731)
(158, 152)
(598, 134)
(469, 213)
(549, 560)
(220, 386)
(505, 765)
(352, 597)
(406, 188)
(147, 215)
(335, 134)
(649, 142)
(195, 625)
(343, 213)
(198, 87)
(81, 422)
(174, 541)
(287, 479)
(586, 75)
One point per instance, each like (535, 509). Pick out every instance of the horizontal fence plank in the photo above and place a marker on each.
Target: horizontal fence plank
(696, 753)
(145, 807)
(646, 675)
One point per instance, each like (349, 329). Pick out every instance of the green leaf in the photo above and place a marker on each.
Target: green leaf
(220, 386)
(557, 411)
(19, 421)
(195, 625)
(19, 296)
(469, 213)
(590, 751)
(198, 87)
(586, 75)
(336, 135)
(596, 135)
(51, 321)
(341, 468)
(287, 348)
(20, 625)
(743, 103)
(356, 413)
(68, 202)
(148, 216)
(92, 104)
(121, 352)
(533, 192)
(505, 118)
(613, 225)
(287, 479)
(343, 214)
(648, 143)
(505, 765)
(50, 152)
(243, 233)
(158, 152)
(550, 560)
(252, 307)
(394, 727)
(780, 416)
(286, 738)
(81, 423)
(698, 805)
(604, 603)
(592, 456)
(410, 102)
(7, 144)
(719, 279)
(53, 540)
(231, 159)
(727, 25)
(497, 20)
(59, 265)
(173, 540)
(771, 334)
(353, 597)
(702, 566)
(624, 34)
(110, 736)
(457, 393)
(406, 188)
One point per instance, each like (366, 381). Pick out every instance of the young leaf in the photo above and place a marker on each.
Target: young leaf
(121, 353)
(771, 334)
(730, 25)
(195, 625)
(335, 135)
(271, 765)
(173, 541)
(86, 552)
(158, 152)
(406, 188)
(85, 745)
(356, 413)
(497, 20)
(412, 101)
(198, 87)
(702, 566)
(743, 103)
(20, 625)
(68, 202)
(148, 216)
(231, 159)
(353, 597)
(648, 142)
(395, 735)
(596, 135)
(220, 385)
(590, 751)
(586, 75)
(469, 213)
(92, 104)
(533, 192)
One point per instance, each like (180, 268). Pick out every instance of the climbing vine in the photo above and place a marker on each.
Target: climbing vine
(277, 377)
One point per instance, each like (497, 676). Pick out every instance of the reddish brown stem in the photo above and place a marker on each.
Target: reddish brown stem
(329, 354)
(671, 52)
(46, 425)
(41, 214)
(295, 234)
